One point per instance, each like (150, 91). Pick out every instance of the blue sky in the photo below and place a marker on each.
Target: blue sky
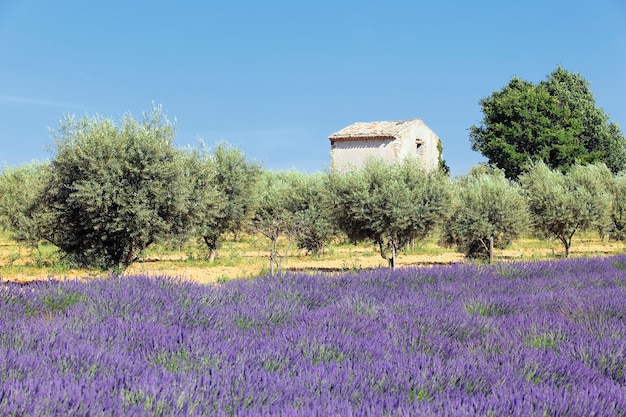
(275, 78)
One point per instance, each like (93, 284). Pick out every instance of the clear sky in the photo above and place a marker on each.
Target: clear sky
(276, 78)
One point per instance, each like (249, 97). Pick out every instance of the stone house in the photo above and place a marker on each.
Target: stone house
(355, 144)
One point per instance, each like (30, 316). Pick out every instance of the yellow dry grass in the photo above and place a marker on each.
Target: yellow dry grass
(247, 258)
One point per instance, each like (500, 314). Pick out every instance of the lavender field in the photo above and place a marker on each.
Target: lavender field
(520, 339)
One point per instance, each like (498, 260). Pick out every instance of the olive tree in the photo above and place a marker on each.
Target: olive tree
(316, 226)
(490, 211)
(113, 190)
(594, 181)
(618, 207)
(292, 211)
(19, 188)
(235, 179)
(389, 204)
(205, 204)
(274, 216)
(562, 204)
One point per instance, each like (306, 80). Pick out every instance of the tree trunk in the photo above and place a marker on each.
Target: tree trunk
(319, 250)
(487, 247)
(212, 246)
(274, 255)
(272, 263)
(385, 257)
(392, 261)
(129, 255)
(567, 243)
(566, 239)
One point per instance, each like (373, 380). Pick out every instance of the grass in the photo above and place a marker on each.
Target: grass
(247, 257)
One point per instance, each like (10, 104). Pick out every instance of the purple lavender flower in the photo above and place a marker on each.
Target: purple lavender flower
(518, 339)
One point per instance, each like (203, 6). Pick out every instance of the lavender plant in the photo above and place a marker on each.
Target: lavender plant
(517, 339)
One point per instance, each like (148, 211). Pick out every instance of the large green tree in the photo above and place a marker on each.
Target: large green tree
(113, 190)
(389, 204)
(555, 121)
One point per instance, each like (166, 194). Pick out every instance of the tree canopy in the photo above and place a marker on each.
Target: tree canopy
(235, 179)
(618, 208)
(113, 190)
(275, 214)
(555, 121)
(562, 204)
(206, 205)
(313, 213)
(19, 189)
(389, 204)
(490, 211)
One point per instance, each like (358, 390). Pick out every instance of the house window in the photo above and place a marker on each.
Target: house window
(420, 148)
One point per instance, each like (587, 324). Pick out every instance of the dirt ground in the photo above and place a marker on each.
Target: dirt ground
(242, 260)
(354, 260)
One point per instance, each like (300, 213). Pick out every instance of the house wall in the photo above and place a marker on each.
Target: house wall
(352, 154)
(428, 153)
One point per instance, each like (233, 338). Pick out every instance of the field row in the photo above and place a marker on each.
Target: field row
(514, 339)
(247, 257)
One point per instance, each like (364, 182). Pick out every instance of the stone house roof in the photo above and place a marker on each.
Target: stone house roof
(373, 130)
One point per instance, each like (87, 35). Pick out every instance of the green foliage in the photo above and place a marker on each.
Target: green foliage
(602, 139)
(222, 196)
(555, 121)
(443, 166)
(60, 301)
(236, 179)
(313, 214)
(485, 309)
(489, 208)
(389, 204)
(206, 204)
(19, 188)
(113, 190)
(618, 208)
(274, 216)
(561, 204)
(292, 209)
(593, 185)
(548, 340)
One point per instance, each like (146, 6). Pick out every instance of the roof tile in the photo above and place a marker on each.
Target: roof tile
(374, 130)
